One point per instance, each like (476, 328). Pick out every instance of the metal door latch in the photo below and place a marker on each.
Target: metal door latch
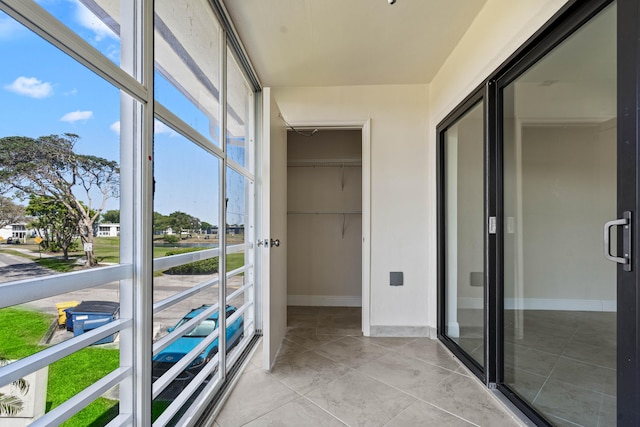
(268, 242)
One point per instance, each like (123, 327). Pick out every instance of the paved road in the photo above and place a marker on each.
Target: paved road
(16, 268)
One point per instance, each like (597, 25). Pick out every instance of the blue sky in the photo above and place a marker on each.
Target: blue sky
(43, 92)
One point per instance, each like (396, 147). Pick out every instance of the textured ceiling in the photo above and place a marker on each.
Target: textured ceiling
(349, 42)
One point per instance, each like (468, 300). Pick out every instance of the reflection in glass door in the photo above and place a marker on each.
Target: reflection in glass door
(560, 172)
(463, 147)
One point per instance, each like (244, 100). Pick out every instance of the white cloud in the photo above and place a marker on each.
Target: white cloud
(88, 20)
(161, 128)
(158, 128)
(113, 53)
(72, 92)
(75, 116)
(30, 86)
(9, 28)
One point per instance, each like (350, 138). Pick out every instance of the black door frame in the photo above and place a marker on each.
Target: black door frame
(475, 98)
(569, 18)
(628, 337)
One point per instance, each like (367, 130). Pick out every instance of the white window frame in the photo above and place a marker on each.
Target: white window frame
(134, 78)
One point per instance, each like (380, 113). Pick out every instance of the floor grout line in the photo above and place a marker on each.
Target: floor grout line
(393, 351)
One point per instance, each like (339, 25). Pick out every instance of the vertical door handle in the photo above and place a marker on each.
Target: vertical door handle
(625, 222)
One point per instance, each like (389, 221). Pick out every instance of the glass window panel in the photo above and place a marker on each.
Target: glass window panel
(237, 203)
(238, 194)
(464, 162)
(95, 21)
(57, 109)
(54, 108)
(187, 63)
(62, 122)
(239, 114)
(186, 209)
(559, 128)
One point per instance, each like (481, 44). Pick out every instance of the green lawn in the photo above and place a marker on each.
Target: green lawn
(107, 250)
(235, 261)
(20, 337)
(57, 264)
(70, 375)
(21, 332)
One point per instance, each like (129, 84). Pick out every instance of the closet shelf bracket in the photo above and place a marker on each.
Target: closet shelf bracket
(344, 220)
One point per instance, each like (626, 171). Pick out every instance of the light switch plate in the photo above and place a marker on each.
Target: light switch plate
(476, 278)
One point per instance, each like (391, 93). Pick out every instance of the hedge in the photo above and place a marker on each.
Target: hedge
(206, 266)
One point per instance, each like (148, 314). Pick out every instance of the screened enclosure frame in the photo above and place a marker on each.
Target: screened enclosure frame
(134, 78)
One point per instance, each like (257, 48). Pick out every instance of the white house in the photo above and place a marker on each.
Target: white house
(14, 230)
(108, 230)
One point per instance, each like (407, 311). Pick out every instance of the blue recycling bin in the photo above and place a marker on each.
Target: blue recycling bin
(89, 315)
(68, 323)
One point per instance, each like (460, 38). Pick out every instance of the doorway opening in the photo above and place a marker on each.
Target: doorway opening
(325, 225)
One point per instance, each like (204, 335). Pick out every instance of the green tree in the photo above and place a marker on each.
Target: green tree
(10, 212)
(171, 238)
(160, 223)
(180, 221)
(206, 227)
(48, 166)
(53, 222)
(111, 216)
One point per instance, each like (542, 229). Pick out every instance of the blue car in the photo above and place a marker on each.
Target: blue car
(165, 360)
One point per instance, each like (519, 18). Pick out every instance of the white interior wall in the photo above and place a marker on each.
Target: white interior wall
(399, 183)
(324, 257)
(470, 207)
(403, 166)
(568, 184)
(500, 28)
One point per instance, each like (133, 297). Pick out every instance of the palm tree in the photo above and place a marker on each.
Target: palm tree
(11, 404)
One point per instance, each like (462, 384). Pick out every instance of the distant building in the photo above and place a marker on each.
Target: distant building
(14, 230)
(108, 230)
(233, 230)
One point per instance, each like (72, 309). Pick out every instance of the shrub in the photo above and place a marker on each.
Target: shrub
(206, 266)
(171, 238)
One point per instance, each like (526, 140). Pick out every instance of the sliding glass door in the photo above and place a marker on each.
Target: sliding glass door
(537, 221)
(560, 186)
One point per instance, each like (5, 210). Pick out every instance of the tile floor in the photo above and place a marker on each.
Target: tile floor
(562, 362)
(327, 374)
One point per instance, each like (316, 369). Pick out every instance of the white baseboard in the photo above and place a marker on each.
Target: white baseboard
(453, 329)
(324, 300)
(467, 303)
(545, 304)
(401, 331)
